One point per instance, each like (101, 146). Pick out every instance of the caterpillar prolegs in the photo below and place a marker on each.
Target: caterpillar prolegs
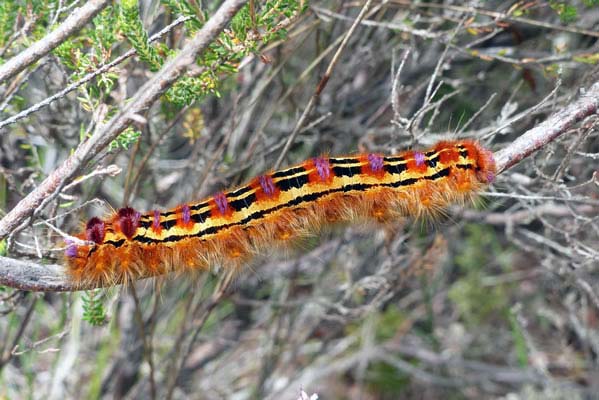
(230, 227)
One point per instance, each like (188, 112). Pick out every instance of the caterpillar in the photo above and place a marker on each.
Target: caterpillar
(232, 226)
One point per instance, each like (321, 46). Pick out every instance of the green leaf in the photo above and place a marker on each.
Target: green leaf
(519, 340)
(587, 58)
(128, 137)
(132, 27)
(93, 309)
(567, 13)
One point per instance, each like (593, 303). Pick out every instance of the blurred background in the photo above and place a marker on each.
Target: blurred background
(495, 300)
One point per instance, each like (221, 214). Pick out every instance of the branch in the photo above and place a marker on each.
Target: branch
(499, 16)
(554, 126)
(140, 102)
(74, 22)
(27, 275)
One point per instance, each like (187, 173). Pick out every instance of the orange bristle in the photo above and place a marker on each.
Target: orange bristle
(229, 228)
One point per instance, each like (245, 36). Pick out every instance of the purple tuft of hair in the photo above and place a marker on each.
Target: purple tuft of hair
(186, 213)
(376, 162)
(221, 203)
(95, 230)
(323, 168)
(128, 221)
(267, 184)
(71, 250)
(419, 158)
(156, 221)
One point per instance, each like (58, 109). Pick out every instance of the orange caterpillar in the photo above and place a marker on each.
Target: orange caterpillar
(230, 227)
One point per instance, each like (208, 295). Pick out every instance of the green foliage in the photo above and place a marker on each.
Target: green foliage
(104, 34)
(93, 46)
(389, 323)
(132, 27)
(247, 34)
(213, 323)
(93, 309)
(125, 139)
(519, 340)
(381, 377)
(567, 13)
(12, 12)
(565, 9)
(481, 248)
(3, 247)
(187, 89)
(474, 300)
(386, 380)
(185, 8)
(66, 53)
(592, 58)
(87, 53)
(7, 18)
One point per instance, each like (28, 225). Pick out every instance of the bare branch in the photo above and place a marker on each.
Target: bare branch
(27, 275)
(77, 20)
(554, 126)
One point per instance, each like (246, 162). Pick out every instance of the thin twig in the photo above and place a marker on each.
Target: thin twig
(146, 340)
(547, 131)
(219, 292)
(321, 85)
(8, 352)
(387, 25)
(498, 16)
(395, 88)
(477, 113)
(526, 113)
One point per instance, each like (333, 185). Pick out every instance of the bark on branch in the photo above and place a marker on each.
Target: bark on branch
(74, 22)
(551, 128)
(28, 275)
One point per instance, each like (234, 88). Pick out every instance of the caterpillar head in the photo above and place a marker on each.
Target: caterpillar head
(486, 170)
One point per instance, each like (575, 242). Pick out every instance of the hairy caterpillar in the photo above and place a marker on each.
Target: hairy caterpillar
(229, 227)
